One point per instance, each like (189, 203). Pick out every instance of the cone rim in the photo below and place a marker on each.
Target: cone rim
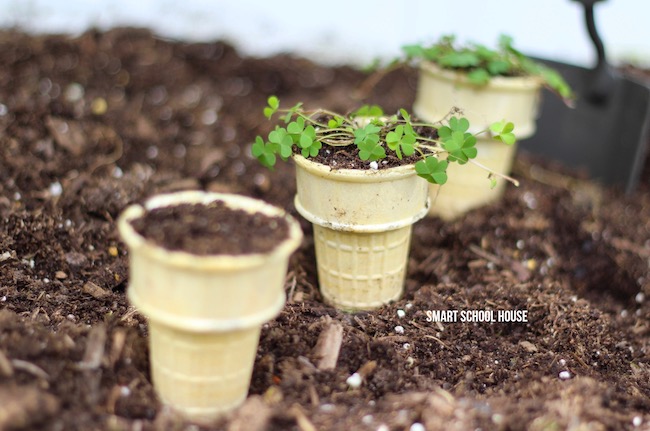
(188, 260)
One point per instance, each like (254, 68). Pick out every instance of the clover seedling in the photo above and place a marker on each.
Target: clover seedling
(481, 63)
(375, 135)
(503, 132)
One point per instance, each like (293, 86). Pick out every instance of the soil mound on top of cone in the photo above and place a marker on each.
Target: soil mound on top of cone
(213, 229)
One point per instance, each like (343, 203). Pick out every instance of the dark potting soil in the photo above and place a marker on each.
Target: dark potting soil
(91, 124)
(212, 229)
(347, 157)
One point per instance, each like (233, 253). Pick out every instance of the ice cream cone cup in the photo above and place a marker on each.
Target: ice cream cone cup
(202, 374)
(362, 228)
(514, 99)
(468, 186)
(361, 271)
(204, 312)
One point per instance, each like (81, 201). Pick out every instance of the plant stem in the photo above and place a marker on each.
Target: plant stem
(500, 175)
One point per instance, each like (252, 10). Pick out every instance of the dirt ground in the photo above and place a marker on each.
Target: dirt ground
(92, 123)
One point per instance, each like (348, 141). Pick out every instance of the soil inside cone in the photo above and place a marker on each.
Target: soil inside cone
(213, 229)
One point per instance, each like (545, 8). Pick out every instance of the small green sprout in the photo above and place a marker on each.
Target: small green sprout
(273, 105)
(367, 140)
(374, 134)
(369, 111)
(402, 140)
(503, 131)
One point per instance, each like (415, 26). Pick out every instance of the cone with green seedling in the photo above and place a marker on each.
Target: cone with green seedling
(487, 86)
(362, 181)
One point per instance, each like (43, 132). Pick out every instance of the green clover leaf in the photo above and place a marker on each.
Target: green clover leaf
(459, 124)
(282, 140)
(393, 140)
(432, 170)
(460, 59)
(371, 149)
(308, 142)
(367, 140)
(502, 131)
(460, 147)
(370, 130)
(273, 105)
(311, 150)
(263, 152)
(296, 127)
(408, 144)
(401, 140)
(498, 67)
(405, 115)
(368, 111)
(479, 76)
(457, 141)
(413, 51)
(335, 122)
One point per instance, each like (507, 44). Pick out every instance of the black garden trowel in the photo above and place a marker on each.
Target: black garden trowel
(606, 133)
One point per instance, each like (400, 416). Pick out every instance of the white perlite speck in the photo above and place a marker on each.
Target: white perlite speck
(354, 381)
(74, 92)
(417, 426)
(327, 407)
(401, 313)
(637, 421)
(56, 189)
(564, 375)
(374, 165)
(399, 329)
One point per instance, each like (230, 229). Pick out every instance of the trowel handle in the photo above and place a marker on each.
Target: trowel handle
(593, 33)
(601, 82)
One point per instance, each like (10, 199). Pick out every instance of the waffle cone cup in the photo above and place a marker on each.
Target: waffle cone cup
(202, 374)
(362, 228)
(361, 271)
(514, 99)
(204, 312)
(468, 186)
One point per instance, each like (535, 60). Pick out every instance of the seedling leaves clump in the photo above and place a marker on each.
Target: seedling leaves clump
(481, 63)
(374, 134)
